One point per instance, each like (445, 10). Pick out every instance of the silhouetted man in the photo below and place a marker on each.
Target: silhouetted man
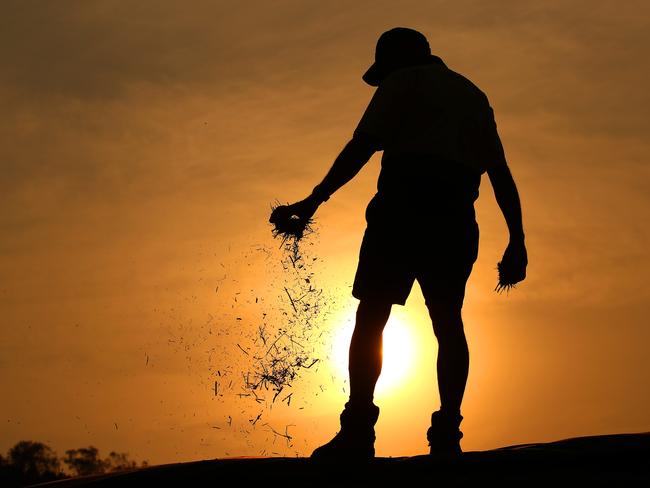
(438, 134)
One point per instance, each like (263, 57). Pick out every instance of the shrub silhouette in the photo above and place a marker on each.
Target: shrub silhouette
(30, 462)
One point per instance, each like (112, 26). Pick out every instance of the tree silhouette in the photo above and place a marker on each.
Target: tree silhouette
(85, 461)
(119, 461)
(33, 462)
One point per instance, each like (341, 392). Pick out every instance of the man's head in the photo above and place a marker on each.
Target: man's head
(398, 48)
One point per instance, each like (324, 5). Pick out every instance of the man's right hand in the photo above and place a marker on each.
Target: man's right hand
(303, 210)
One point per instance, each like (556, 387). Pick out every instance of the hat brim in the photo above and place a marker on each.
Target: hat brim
(377, 71)
(374, 74)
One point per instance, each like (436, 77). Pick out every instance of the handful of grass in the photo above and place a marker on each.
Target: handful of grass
(506, 283)
(510, 272)
(287, 225)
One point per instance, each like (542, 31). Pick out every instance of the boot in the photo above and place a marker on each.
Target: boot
(356, 439)
(444, 435)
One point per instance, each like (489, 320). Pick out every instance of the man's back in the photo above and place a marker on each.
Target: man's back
(432, 110)
(438, 135)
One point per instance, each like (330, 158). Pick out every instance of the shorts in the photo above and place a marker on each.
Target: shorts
(440, 257)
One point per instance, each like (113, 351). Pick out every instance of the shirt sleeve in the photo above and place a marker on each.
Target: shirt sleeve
(383, 113)
(494, 154)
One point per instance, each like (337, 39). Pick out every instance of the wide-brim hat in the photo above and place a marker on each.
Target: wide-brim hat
(398, 48)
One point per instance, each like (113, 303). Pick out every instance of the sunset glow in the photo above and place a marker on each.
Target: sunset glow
(142, 145)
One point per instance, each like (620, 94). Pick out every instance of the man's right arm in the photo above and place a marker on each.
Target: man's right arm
(349, 162)
(368, 137)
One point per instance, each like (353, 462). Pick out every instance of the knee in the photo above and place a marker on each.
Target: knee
(447, 321)
(373, 313)
(443, 311)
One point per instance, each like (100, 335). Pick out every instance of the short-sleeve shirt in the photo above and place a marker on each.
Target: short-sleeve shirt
(438, 134)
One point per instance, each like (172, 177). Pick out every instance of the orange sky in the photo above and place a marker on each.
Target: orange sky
(141, 146)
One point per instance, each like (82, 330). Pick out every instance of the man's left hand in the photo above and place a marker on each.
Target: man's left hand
(512, 267)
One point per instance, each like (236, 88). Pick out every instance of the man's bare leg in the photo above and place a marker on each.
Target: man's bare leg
(453, 354)
(365, 358)
(453, 367)
(357, 435)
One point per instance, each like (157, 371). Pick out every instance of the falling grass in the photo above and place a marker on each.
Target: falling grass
(267, 338)
(284, 350)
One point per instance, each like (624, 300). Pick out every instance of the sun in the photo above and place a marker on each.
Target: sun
(399, 347)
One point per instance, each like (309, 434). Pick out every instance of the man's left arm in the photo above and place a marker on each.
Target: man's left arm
(507, 196)
(515, 257)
